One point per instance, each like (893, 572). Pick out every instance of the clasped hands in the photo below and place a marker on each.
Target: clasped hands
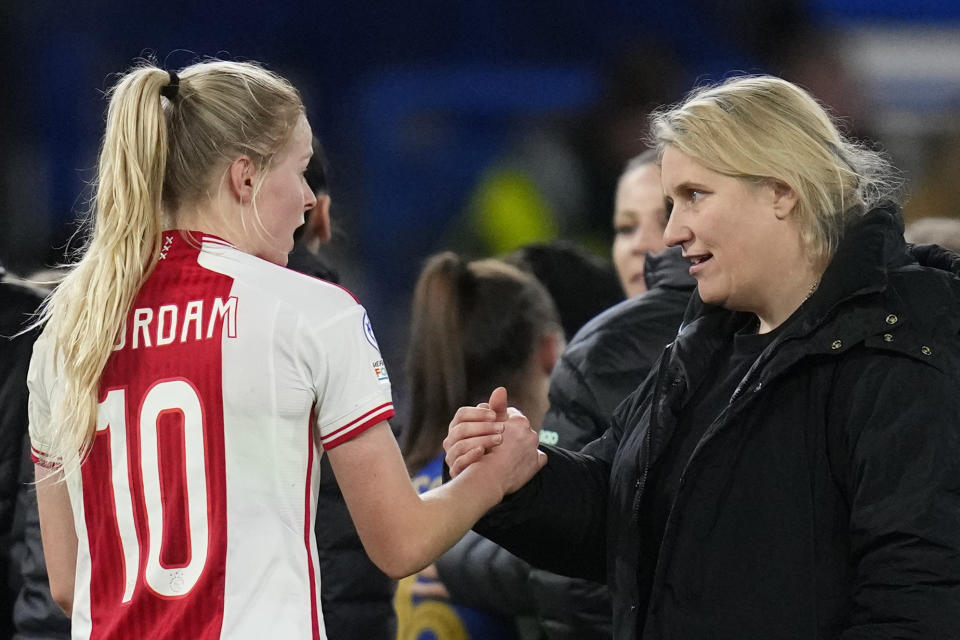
(494, 438)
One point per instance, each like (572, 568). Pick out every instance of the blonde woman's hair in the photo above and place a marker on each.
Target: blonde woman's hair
(158, 154)
(762, 128)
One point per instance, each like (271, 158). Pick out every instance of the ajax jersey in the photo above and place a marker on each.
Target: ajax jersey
(195, 506)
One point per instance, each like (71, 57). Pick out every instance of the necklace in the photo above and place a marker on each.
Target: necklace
(813, 287)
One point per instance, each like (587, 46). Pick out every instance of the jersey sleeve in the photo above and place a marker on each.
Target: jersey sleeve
(353, 388)
(40, 383)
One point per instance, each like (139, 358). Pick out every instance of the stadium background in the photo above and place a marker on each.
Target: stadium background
(436, 109)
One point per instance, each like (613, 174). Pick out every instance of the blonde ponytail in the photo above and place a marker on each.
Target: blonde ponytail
(86, 312)
(159, 154)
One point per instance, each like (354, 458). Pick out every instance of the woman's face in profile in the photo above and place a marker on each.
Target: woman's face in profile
(742, 244)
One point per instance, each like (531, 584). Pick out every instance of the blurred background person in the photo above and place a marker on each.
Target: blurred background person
(19, 300)
(612, 354)
(356, 596)
(639, 216)
(606, 361)
(580, 283)
(473, 323)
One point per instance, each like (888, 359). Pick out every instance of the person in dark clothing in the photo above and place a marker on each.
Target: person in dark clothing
(788, 470)
(35, 615)
(605, 361)
(356, 597)
(18, 301)
(612, 354)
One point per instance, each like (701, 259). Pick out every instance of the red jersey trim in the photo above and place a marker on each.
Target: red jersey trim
(39, 458)
(307, 530)
(376, 416)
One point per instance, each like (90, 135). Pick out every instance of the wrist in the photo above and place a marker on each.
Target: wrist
(483, 483)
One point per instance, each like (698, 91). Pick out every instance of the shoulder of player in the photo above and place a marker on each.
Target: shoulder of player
(291, 287)
(309, 295)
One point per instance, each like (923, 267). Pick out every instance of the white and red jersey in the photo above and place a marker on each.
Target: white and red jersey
(195, 507)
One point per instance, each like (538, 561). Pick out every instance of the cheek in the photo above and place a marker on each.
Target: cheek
(620, 251)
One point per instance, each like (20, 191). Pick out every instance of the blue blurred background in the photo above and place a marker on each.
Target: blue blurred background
(471, 125)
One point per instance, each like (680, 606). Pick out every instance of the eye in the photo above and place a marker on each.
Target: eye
(695, 195)
(624, 229)
(668, 205)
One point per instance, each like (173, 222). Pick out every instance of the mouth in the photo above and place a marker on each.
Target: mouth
(697, 261)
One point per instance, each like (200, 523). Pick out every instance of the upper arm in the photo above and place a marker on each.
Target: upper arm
(58, 533)
(374, 481)
(902, 424)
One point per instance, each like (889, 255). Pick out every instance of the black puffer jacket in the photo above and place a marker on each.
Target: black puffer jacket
(823, 502)
(603, 364)
(611, 355)
(17, 302)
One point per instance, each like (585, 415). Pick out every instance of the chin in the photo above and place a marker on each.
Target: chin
(711, 297)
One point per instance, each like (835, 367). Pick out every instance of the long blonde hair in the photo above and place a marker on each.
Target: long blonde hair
(158, 153)
(762, 127)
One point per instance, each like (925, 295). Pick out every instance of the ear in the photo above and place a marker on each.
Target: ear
(240, 178)
(784, 199)
(549, 350)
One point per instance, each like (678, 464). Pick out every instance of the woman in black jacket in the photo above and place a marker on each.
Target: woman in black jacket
(789, 469)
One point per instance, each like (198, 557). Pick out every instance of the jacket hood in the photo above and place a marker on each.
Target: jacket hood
(668, 269)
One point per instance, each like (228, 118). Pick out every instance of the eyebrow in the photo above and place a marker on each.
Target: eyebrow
(688, 185)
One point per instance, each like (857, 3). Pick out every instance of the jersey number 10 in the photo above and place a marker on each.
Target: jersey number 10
(179, 396)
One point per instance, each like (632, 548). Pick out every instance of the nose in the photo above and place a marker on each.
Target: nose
(676, 232)
(310, 200)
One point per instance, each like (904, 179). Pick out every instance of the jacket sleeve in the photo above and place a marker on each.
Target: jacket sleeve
(557, 521)
(902, 480)
(481, 574)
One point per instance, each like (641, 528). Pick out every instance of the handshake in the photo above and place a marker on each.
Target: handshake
(496, 440)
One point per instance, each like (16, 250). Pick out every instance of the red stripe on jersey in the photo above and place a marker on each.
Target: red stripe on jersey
(384, 412)
(362, 417)
(39, 458)
(180, 373)
(309, 502)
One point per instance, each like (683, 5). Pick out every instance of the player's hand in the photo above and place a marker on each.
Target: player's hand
(509, 455)
(474, 430)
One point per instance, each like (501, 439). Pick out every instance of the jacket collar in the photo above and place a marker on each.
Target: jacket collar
(871, 246)
(668, 269)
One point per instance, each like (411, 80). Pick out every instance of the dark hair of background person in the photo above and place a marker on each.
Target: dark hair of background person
(474, 327)
(581, 283)
(317, 176)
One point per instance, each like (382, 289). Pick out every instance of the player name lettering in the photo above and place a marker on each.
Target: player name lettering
(194, 321)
